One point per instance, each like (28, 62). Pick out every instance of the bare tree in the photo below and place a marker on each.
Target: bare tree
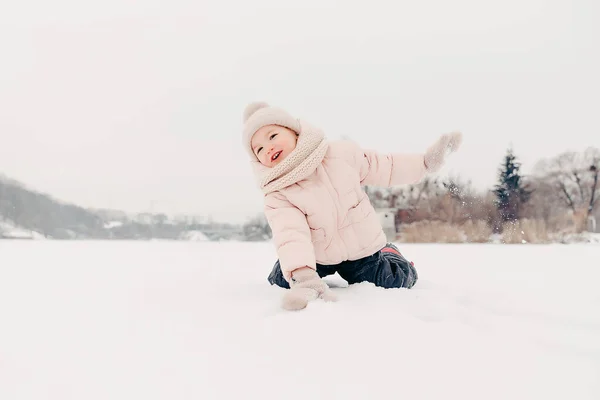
(592, 155)
(544, 203)
(419, 196)
(450, 199)
(574, 177)
(462, 203)
(408, 197)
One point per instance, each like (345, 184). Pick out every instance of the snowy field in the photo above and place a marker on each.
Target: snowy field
(180, 320)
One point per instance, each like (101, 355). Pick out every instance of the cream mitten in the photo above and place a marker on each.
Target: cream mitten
(435, 155)
(306, 285)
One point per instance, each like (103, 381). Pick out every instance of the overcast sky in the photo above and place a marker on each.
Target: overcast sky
(136, 105)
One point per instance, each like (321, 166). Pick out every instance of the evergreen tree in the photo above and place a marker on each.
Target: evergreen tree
(511, 192)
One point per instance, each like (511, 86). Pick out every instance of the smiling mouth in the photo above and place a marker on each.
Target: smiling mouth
(275, 156)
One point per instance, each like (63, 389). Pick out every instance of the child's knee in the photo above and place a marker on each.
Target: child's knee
(401, 272)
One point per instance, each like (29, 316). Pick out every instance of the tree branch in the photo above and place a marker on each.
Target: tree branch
(578, 181)
(569, 199)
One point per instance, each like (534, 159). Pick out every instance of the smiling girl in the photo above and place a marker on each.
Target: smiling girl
(321, 218)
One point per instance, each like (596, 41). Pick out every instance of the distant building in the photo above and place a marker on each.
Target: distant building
(592, 225)
(391, 219)
(387, 218)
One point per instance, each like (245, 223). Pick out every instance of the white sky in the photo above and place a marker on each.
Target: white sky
(136, 105)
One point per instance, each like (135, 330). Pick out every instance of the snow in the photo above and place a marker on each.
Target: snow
(10, 230)
(187, 320)
(585, 237)
(113, 224)
(194, 236)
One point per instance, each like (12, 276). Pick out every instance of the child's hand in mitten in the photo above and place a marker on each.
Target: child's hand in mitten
(306, 285)
(436, 154)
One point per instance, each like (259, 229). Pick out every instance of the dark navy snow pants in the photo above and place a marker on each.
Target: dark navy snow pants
(387, 268)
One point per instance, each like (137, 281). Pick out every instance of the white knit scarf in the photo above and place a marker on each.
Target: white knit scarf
(300, 163)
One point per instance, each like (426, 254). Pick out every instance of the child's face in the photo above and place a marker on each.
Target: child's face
(273, 143)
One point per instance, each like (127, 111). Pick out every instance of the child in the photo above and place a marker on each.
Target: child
(322, 220)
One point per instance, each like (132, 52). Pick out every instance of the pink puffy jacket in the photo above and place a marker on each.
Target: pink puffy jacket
(327, 218)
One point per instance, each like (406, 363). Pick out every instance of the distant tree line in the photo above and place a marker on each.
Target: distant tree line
(30, 210)
(561, 196)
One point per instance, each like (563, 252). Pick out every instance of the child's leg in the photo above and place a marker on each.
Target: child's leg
(393, 255)
(276, 275)
(386, 268)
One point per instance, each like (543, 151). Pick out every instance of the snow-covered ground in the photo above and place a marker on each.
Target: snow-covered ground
(181, 320)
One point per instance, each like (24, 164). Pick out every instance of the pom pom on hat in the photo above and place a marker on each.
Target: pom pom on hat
(258, 114)
(252, 108)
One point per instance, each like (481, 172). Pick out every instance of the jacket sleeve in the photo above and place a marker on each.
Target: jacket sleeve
(388, 169)
(291, 234)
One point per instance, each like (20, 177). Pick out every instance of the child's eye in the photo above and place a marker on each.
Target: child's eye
(258, 151)
(272, 136)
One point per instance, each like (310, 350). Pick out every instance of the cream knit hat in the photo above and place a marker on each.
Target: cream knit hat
(259, 114)
(300, 163)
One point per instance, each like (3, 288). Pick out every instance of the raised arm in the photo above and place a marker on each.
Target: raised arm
(391, 168)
